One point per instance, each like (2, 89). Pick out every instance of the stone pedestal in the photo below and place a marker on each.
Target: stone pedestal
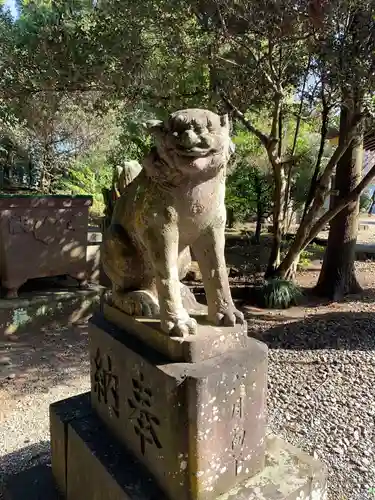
(177, 419)
(199, 428)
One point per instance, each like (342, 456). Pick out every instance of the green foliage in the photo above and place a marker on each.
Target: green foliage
(278, 293)
(305, 259)
(317, 248)
(249, 184)
(88, 176)
(133, 142)
(248, 190)
(306, 151)
(78, 78)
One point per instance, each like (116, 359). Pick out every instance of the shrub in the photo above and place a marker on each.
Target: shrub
(277, 293)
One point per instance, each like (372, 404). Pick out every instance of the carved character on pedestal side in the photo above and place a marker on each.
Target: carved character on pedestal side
(144, 420)
(106, 383)
(176, 202)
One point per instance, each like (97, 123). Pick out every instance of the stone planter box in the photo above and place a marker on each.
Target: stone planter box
(42, 236)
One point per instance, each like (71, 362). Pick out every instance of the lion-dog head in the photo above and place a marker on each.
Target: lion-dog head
(190, 143)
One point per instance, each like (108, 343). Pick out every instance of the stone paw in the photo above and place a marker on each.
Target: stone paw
(137, 303)
(180, 327)
(227, 317)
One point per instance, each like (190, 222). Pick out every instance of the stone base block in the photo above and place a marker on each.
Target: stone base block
(209, 342)
(60, 415)
(88, 461)
(99, 468)
(198, 428)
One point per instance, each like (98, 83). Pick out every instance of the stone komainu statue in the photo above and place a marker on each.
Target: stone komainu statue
(176, 202)
(124, 175)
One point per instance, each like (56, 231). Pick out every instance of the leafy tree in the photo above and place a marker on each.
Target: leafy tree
(248, 194)
(282, 60)
(133, 141)
(56, 129)
(249, 185)
(88, 175)
(349, 45)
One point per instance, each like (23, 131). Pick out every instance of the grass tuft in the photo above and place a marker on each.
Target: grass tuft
(277, 293)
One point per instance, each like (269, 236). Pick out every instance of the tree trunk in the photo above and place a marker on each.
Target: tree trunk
(230, 218)
(258, 227)
(278, 203)
(337, 277)
(292, 270)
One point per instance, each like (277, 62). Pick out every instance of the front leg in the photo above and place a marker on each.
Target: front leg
(209, 251)
(162, 245)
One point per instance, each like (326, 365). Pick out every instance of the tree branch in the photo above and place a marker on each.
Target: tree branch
(275, 116)
(337, 155)
(264, 139)
(323, 135)
(349, 198)
(269, 77)
(270, 61)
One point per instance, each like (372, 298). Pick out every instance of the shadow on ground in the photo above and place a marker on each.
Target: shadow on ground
(23, 459)
(43, 337)
(367, 296)
(341, 331)
(43, 358)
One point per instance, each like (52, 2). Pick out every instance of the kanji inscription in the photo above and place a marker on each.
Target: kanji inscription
(238, 433)
(42, 229)
(144, 420)
(106, 383)
(237, 448)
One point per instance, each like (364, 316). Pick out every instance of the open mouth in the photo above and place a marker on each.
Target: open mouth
(196, 151)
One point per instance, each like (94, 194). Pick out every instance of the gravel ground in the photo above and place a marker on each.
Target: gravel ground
(322, 382)
(24, 440)
(35, 371)
(322, 395)
(321, 386)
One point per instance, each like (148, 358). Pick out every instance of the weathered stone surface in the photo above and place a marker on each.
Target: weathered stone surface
(101, 469)
(61, 413)
(198, 428)
(175, 202)
(98, 467)
(210, 341)
(42, 236)
(36, 309)
(94, 241)
(124, 175)
(289, 474)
